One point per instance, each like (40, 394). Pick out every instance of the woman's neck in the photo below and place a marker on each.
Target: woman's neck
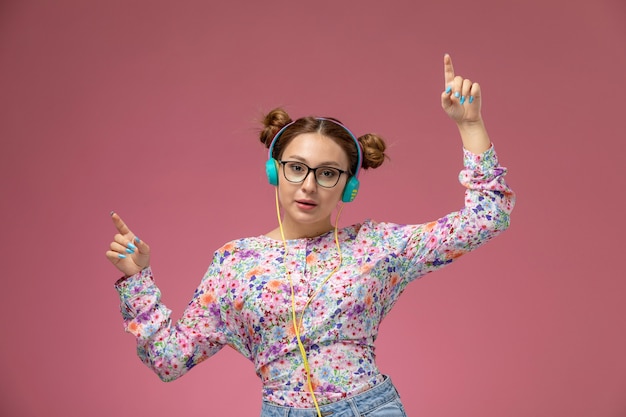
(301, 231)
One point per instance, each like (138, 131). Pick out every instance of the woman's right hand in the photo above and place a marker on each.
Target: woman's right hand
(127, 252)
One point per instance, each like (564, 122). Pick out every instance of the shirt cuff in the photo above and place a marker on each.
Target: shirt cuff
(483, 162)
(129, 287)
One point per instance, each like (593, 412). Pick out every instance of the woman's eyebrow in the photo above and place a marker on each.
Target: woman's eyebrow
(323, 164)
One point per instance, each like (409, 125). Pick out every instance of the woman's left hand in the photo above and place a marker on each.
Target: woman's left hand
(462, 98)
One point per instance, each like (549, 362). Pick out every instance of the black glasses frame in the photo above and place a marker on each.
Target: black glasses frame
(314, 170)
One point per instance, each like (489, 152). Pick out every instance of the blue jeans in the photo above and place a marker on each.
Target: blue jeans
(380, 401)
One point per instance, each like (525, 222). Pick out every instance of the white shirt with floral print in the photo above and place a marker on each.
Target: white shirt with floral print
(244, 299)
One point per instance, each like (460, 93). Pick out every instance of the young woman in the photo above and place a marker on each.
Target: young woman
(304, 301)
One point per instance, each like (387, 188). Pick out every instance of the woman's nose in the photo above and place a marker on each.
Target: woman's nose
(310, 183)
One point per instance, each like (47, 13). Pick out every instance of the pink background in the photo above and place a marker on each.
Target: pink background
(150, 108)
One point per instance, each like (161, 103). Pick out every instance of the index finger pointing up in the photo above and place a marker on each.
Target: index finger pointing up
(119, 224)
(448, 69)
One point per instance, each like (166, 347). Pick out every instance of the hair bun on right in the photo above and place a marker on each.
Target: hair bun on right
(373, 150)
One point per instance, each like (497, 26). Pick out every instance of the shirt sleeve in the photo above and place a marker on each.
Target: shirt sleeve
(171, 349)
(424, 248)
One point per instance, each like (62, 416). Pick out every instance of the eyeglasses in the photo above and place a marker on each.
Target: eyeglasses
(297, 172)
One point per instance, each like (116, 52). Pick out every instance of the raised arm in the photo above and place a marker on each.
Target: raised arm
(169, 348)
(461, 100)
(127, 252)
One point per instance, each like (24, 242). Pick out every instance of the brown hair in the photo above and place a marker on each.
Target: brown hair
(372, 145)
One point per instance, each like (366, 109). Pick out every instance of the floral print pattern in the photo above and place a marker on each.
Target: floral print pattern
(244, 299)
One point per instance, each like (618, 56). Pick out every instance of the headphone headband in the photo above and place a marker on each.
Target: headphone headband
(356, 141)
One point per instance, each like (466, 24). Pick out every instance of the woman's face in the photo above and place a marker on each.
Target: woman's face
(307, 206)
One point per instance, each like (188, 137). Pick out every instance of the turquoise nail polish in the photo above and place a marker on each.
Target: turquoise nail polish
(457, 94)
(137, 239)
(471, 100)
(462, 100)
(131, 246)
(448, 90)
(121, 256)
(129, 250)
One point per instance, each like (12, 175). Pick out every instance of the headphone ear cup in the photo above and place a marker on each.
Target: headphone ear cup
(271, 169)
(351, 189)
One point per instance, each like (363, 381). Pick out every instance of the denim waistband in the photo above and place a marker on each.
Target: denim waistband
(359, 404)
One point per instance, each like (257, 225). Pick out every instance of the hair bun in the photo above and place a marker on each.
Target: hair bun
(373, 150)
(272, 123)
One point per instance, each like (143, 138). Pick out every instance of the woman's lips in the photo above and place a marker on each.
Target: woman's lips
(305, 204)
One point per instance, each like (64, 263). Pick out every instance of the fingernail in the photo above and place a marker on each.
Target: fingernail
(121, 256)
(137, 239)
(457, 94)
(129, 250)
(131, 246)
(447, 92)
(471, 100)
(462, 100)
(112, 212)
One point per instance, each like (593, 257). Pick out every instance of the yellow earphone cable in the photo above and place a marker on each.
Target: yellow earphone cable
(296, 323)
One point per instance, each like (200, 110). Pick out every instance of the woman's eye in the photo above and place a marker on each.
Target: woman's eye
(296, 167)
(329, 173)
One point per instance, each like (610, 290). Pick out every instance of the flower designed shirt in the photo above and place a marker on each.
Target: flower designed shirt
(244, 299)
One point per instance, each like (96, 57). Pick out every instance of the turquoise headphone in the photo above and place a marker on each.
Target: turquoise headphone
(352, 185)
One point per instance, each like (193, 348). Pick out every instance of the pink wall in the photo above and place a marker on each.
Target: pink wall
(149, 108)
